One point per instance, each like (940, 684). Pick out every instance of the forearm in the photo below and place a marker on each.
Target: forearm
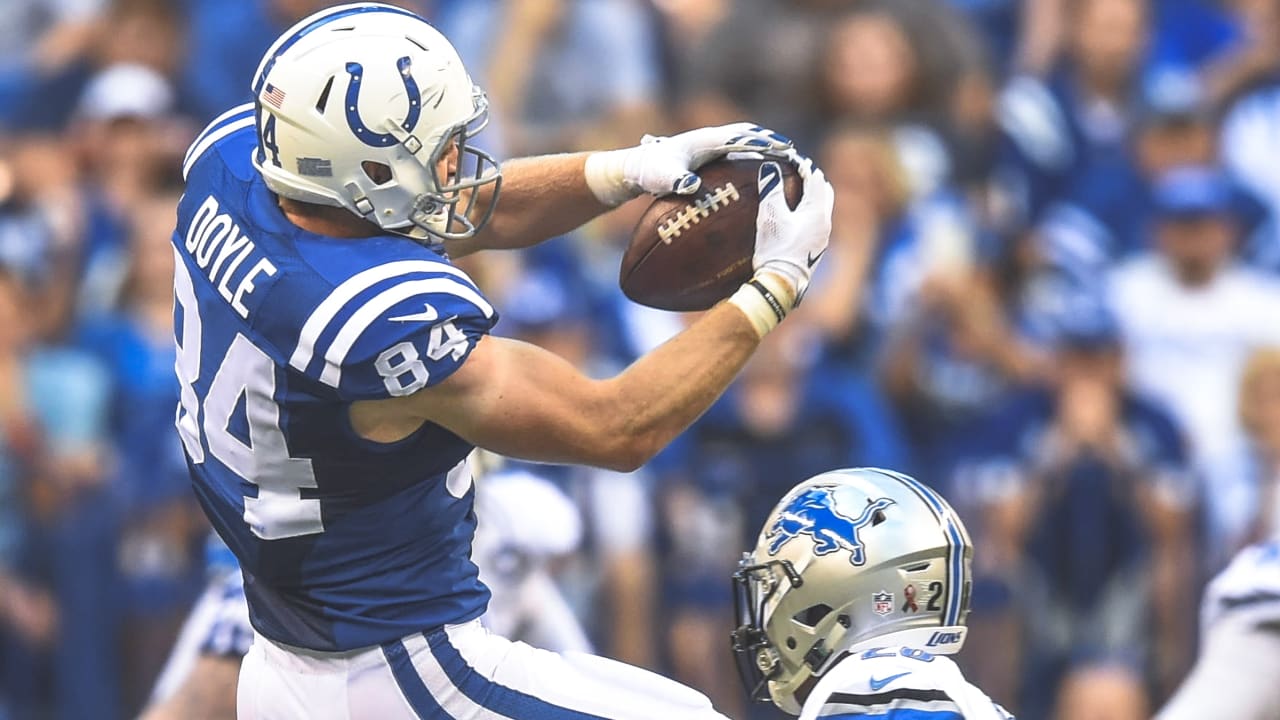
(662, 393)
(519, 400)
(550, 195)
(541, 197)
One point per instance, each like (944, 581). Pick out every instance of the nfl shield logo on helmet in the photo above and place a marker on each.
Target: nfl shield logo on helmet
(882, 603)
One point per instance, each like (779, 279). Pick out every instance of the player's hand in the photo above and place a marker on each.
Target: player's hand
(662, 165)
(789, 243)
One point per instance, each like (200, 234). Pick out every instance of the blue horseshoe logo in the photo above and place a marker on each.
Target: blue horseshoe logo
(367, 136)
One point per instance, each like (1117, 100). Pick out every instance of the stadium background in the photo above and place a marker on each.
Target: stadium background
(1051, 293)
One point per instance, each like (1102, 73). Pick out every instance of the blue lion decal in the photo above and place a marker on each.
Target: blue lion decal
(814, 513)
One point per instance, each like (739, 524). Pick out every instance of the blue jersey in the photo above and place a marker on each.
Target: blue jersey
(344, 542)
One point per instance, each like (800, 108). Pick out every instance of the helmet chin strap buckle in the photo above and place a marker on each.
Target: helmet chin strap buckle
(363, 205)
(817, 655)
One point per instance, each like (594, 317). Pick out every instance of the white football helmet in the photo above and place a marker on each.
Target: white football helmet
(360, 106)
(847, 560)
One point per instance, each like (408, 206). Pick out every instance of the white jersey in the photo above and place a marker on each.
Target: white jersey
(1240, 644)
(898, 683)
(1249, 587)
(525, 523)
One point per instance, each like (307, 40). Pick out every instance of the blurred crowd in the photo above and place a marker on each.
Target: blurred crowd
(1052, 293)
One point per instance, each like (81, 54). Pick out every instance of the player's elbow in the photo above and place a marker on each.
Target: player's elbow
(629, 451)
(626, 457)
(625, 436)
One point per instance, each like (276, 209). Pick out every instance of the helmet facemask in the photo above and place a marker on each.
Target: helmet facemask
(447, 207)
(754, 585)
(812, 634)
(449, 213)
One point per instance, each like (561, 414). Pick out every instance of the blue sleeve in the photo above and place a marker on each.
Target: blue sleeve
(415, 342)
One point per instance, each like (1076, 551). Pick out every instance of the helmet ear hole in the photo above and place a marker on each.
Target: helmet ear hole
(812, 615)
(379, 173)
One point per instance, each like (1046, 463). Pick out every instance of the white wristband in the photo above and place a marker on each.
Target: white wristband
(762, 303)
(606, 176)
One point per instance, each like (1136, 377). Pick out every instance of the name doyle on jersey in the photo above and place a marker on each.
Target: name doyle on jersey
(221, 250)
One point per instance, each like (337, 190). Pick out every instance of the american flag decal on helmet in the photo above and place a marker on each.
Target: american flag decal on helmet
(273, 95)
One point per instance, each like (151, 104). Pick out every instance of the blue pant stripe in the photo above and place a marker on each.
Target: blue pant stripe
(410, 683)
(898, 714)
(489, 694)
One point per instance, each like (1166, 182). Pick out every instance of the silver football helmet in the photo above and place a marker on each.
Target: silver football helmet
(848, 559)
(363, 106)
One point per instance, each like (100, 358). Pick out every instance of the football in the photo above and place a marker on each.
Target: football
(689, 252)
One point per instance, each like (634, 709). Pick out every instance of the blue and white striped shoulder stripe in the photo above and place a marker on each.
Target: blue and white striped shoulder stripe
(233, 120)
(443, 279)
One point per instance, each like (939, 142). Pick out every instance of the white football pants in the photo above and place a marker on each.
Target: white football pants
(460, 672)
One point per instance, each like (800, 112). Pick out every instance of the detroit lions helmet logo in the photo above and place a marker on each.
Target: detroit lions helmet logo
(814, 513)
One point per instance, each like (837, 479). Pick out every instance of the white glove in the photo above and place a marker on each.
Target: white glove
(662, 165)
(789, 243)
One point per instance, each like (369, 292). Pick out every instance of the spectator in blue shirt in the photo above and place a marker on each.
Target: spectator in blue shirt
(38, 39)
(160, 546)
(69, 546)
(1086, 503)
(1081, 115)
(28, 616)
(1108, 214)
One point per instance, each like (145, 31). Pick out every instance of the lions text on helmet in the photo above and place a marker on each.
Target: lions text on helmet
(820, 628)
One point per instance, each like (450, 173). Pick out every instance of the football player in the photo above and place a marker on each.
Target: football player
(336, 369)
(856, 592)
(1240, 647)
